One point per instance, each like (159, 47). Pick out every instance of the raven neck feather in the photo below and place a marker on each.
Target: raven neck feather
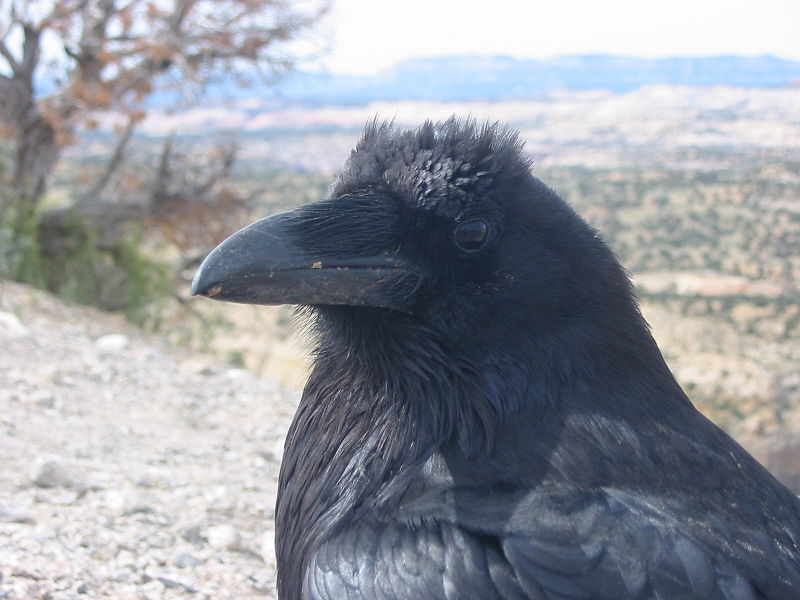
(379, 402)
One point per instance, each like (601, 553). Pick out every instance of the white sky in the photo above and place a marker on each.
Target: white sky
(368, 35)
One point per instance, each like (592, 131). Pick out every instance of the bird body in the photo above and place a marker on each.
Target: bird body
(488, 415)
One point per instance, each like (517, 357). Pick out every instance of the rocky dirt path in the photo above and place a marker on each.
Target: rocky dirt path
(130, 468)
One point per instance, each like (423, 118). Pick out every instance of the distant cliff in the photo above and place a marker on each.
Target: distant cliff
(463, 78)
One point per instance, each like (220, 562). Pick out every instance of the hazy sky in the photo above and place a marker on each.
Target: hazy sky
(367, 35)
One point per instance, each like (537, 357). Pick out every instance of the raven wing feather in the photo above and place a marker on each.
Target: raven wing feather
(371, 561)
(608, 545)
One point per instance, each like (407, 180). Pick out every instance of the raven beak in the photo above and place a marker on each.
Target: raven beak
(262, 264)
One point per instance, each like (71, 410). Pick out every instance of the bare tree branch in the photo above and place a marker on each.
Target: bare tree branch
(31, 50)
(116, 158)
(182, 8)
(161, 184)
(12, 62)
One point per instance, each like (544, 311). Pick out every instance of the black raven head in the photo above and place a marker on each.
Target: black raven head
(443, 226)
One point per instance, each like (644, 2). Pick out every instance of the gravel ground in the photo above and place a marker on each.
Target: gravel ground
(130, 468)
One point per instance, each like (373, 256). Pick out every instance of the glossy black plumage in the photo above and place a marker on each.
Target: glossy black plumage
(493, 419)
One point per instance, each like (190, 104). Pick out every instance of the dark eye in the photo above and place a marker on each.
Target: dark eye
(471, 235)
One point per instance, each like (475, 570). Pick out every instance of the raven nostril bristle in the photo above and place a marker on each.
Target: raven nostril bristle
(213, 291)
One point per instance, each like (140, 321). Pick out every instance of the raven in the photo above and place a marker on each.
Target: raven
(488, 415)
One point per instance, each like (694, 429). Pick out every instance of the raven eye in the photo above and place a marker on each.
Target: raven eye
(471, 235)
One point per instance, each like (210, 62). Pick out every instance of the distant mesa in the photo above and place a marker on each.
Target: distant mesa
(467, 78)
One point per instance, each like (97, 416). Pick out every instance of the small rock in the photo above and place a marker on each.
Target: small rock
(113, 343)
(125, 502)
(151, 480)
(25, 574)
(198, 367)
(58, 496)
(221, 500)
(51, 471)
(44, 399)
(172, 583)
(116, 500)
(184, 559)
(223, 537)
(126, 560)
(152, 590)
(12, 326)
(261, 582)
(235, 374)
(190, 531)
(139, 509)
(270, 455)
(13, 513)
(66, 380)
(43, 533)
